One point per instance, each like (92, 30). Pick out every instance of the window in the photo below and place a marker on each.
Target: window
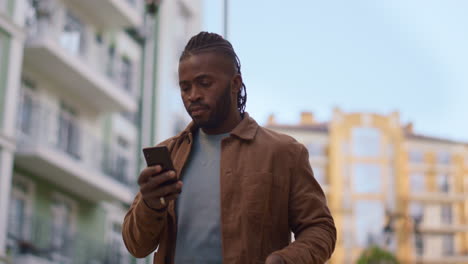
(73, 35)
(443, 158)
(416, 156)
(117, 160)
(132, 117)
(63, 212)
(69, 133)
(17, 217)
(316, 149)
(446, 214)
(443, 183)
(20, 212)
(448, 245)
(27, 108)
(366, 142)
(367, 178)
(115, 249)
(127, 74)
(369, 220)
(417, 182)
(122, 162)
(110, 64)
(118, 252)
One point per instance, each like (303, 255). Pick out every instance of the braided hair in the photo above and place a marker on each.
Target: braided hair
(212, 42)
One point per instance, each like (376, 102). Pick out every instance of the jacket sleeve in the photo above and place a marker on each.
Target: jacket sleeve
(309, 218)
(142, 228)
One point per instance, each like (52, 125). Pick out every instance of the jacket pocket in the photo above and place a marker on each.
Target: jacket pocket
(256, 193)
(256, 198)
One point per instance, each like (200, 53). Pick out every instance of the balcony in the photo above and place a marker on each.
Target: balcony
(456, 259)
(79, 65)
(443, 229)
(47, 244)
(439, 197)
(119, 13)
(56, 146)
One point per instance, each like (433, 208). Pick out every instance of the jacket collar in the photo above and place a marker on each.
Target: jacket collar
(246, 129)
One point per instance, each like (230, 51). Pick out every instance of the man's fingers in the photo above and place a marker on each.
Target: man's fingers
(171, 197)
(155, 202)
(155, 181)
(164, 177)
(162, 191)
(167, 197)
(147, 173)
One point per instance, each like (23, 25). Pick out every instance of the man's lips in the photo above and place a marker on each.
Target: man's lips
(197, 110)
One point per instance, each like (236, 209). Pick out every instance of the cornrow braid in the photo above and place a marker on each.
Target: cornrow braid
(212, 42)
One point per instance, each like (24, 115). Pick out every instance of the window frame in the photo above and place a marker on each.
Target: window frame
(28, 198)
(71, 232)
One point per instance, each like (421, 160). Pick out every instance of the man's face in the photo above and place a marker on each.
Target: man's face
(205, 81)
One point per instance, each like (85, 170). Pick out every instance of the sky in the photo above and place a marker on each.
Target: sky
(360, 55)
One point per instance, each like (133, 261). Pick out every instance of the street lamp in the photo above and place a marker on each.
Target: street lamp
(226, 18)
(152, 6)
(389, 227)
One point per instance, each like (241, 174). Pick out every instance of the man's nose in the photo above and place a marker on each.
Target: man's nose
(194, 95)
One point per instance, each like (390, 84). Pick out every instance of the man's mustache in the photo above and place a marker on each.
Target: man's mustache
(197, 105)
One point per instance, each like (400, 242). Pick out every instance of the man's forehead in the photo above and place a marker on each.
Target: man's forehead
(206, 62)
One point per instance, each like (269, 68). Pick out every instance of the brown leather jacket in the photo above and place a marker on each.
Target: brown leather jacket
(267, 190)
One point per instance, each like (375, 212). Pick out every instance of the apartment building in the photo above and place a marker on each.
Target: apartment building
(11, 53)
(389, 186)
(179, 20)
(71, 83)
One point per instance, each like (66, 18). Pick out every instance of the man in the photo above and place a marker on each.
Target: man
(245, 187)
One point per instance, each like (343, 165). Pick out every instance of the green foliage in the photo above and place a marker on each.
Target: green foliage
(376, 255)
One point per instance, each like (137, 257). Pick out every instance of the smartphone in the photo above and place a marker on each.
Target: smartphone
(158, 156)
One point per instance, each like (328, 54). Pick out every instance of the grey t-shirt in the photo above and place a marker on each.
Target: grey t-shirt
(198, 206)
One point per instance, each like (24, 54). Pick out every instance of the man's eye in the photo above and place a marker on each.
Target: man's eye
(205, 83)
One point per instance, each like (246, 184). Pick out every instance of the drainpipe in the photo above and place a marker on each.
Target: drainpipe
(226, 18)
(147, 102)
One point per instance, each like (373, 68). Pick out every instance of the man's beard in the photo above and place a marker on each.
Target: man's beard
(219, 112)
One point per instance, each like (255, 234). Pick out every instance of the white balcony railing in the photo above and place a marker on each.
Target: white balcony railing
(79, 58)
(119, 13)
(42, 127)
(38, 247)
(72, 35)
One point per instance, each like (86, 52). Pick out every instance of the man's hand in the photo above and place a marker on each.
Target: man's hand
(154, 185)
(274, 259)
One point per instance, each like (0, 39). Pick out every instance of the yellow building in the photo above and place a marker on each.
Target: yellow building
(388, 186)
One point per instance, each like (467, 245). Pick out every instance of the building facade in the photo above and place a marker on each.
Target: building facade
(12, 38)
(73, 74)
(388, 186)
(179, 20)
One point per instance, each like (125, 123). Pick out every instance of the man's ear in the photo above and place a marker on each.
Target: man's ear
(236, 84)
